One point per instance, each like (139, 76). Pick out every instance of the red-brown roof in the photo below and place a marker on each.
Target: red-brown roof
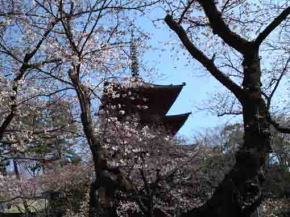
(157, 98)
(174, 122)
(150, 101)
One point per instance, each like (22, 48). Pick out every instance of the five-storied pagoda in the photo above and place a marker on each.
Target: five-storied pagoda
(149, 102)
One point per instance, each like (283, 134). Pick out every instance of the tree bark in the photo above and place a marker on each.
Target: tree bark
(239, 194)
(107, 180)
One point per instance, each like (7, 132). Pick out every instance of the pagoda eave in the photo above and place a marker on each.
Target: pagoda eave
(173, 123)
(157, 98)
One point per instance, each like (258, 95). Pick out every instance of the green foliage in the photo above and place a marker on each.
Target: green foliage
(33, 205)
(233, 134)
(277, 182)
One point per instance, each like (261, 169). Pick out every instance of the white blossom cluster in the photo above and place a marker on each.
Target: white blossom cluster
(149, 157)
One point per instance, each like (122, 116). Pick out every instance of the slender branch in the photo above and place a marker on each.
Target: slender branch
(45, 95)
(230, 113)
(54, 76)
(51, 130)
(204, 60)
(93, 28)
(38, 64)
(225, 6)
(269, 98)
(138, 8)
(25, 66)
(36, 48)
(65, 20)
(185, 10)
(8, 52)
(89, 16)
(272, 26)
(197, 23)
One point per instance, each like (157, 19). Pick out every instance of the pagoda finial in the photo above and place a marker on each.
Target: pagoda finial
(134, 56)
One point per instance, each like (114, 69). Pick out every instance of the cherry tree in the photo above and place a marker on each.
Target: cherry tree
(159, 168)
(64, 49)
(238, 42)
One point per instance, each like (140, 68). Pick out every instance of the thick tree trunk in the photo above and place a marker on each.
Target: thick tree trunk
(98, 204)
(239, 193)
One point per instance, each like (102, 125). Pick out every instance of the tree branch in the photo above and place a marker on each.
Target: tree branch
(220, 27)
(269, 98)
(93, 28)
(278, 127)
(185, 11)
(25, 66)
(230, 113)
(272, 26)
(204, 60)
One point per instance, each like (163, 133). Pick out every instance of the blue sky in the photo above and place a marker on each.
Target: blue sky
(174, 69)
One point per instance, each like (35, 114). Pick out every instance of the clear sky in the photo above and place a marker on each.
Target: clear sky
(174, 69)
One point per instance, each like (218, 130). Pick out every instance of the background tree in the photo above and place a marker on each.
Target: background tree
(275, 187)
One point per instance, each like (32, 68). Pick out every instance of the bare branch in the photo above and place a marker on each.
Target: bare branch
(204, 60)
(272, 26)
(230, 113)
(278, 127)
(269, 98)
(185, 10)
(93, 28)
(45, 95)
(219, 27)
(54, 76)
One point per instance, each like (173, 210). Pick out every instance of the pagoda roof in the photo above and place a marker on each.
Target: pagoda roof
(173, 123)
(160, 97)
(157, 98)
(149, 101)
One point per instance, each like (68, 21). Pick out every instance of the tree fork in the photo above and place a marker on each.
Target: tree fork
(239, 194)
(240, 191)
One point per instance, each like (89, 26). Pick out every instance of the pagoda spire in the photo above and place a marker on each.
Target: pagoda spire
(134, 56)
(146, 101)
